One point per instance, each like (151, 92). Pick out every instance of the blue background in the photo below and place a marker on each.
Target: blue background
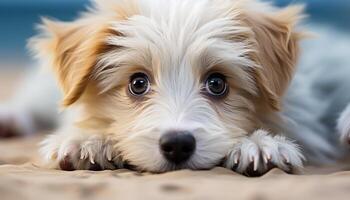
(18, 19)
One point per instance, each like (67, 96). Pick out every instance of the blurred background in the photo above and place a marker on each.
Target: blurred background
(18, 19)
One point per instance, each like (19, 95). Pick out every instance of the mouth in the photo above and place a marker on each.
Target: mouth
(168, 167)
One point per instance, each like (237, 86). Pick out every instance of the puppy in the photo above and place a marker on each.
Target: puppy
(179, 84)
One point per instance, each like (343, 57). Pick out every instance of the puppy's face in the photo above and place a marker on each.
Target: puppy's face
(176, 83)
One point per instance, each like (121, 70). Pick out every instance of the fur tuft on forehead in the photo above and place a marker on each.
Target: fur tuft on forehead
(178, 43)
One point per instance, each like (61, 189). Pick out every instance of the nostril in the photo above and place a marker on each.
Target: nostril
(167, 148)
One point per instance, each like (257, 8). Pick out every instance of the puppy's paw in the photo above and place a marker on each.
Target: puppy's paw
(260, 152)
(80, 152)
(14, 123)
(343, 126)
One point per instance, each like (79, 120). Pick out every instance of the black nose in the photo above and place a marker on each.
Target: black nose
(177, 146)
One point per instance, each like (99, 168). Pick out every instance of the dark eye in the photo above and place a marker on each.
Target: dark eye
(216, 85)
(139, 84)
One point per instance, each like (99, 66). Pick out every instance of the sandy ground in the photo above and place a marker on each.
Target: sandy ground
(21, 177)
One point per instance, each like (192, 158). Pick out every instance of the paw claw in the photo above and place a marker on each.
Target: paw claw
(251, 159)
(109, 152)
(285, 158)
(83, 155)
(256, 163)
(254, 159)
(266, 159)
(237, 155)
(266, 156)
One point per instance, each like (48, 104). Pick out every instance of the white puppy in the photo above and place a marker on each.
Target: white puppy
(159, 85)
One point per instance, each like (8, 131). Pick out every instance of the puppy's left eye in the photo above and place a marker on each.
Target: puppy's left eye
(139, 84)
(216, 85)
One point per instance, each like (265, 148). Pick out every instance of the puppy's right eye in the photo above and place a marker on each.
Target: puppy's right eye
(139, 84)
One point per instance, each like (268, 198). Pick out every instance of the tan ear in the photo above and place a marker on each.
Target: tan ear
(277, 44)
(72, 48)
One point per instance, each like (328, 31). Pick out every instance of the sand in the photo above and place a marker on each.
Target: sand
(21, 177)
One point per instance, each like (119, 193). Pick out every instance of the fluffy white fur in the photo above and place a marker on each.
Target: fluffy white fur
(177, 43)
(264, 151)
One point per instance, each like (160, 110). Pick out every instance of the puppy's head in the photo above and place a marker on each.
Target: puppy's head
(176, 83)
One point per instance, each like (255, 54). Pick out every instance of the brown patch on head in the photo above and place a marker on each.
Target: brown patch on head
(277, 45)
(73, 48)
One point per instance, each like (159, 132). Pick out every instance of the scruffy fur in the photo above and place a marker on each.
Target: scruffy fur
(177, 43)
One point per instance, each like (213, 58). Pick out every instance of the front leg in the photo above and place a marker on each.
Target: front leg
(258, 153)
(77, 149)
